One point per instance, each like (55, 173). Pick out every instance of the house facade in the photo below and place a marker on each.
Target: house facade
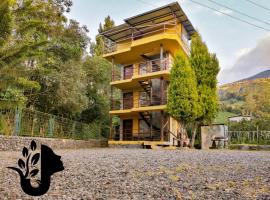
(141, 51)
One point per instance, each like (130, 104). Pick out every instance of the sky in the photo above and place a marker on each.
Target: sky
(243, 50)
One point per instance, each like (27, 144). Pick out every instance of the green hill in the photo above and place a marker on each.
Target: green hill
(222, 117)
(247, 97)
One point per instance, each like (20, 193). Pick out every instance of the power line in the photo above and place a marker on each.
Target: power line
(206, 6)
(259, 5)
(234, 17)
(145, 2)
(240, 12)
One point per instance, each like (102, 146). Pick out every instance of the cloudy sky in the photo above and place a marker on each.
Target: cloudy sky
(243, 50)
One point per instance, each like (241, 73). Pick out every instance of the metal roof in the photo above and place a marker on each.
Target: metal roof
(149, 21)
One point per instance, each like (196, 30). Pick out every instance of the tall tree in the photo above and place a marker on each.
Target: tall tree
(97, 72)
(206, 69)
(97, 47)
(182, 92)
(13, 48)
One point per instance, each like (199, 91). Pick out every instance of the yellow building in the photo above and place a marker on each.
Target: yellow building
(141, 51)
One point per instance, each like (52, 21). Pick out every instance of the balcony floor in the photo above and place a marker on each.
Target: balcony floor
(134, 81)
(137, 110)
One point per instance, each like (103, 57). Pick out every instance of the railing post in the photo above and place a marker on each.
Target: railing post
(17, 122)
(161, 56)
(162, 126)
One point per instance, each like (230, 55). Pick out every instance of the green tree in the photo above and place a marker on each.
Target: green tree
(60, 73)
(13, 48)
(206, 67)
(97, 47)
(182, 93)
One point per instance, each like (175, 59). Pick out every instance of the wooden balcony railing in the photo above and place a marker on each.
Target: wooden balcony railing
(136, 135)
(154, 66)
(128, 103)
(121, 104)
(146, 67)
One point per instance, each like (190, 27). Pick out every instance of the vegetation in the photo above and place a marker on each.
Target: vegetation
(253, 125)
(206, 68)
(192, 97)
(247, 98)
(222, 117)
(45, 64)
(182, 93)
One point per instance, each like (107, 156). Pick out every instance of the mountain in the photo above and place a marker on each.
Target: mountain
(250, 96)
(264, 74)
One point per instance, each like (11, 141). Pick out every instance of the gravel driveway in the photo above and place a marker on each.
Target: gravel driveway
(149, 174)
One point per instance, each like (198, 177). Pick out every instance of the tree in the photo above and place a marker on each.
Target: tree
(98, 72)
(206, 67)
(60, 73)
(13, 49)
(182, 93)
(97, 47)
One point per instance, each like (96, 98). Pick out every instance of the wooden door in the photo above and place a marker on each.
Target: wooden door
(127, 129)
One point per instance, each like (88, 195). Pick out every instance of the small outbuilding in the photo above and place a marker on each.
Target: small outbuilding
(210, 132)
(239, 118)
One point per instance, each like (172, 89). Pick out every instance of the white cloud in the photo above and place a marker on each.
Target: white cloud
(249, 62)
(223, 10)
(242, 52)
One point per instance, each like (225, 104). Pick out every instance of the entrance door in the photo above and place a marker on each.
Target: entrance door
(127, 129)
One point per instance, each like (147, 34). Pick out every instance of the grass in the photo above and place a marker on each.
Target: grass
(222, 117)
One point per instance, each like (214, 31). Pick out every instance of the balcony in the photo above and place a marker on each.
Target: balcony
(136, 135)
(147, 36)
(136, 104)
(139, 71)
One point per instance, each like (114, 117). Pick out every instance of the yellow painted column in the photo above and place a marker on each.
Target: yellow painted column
(135, 128)
(136, 97)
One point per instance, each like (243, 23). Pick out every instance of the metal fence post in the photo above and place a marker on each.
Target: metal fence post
(74, 129)
(17, 122)
(51, 126)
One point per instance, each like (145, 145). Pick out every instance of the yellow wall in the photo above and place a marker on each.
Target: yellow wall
(128, 51)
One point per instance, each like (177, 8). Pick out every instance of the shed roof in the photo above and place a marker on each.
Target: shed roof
(149, 21)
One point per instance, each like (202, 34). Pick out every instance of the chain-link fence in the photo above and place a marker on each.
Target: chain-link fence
(26, 122)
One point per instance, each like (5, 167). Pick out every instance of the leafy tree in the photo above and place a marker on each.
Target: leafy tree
(182, 93)
(98, 72)
(206, 67)
(61, 75)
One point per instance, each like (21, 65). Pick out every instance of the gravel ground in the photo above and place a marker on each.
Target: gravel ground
(149, 174)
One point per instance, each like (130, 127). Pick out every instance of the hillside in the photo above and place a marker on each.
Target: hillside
(250, 96)
(264, 74)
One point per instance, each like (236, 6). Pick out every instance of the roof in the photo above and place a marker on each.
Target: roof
(148, 21)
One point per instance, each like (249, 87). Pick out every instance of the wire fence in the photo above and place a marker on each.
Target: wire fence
(26, 122)
(249, 137)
